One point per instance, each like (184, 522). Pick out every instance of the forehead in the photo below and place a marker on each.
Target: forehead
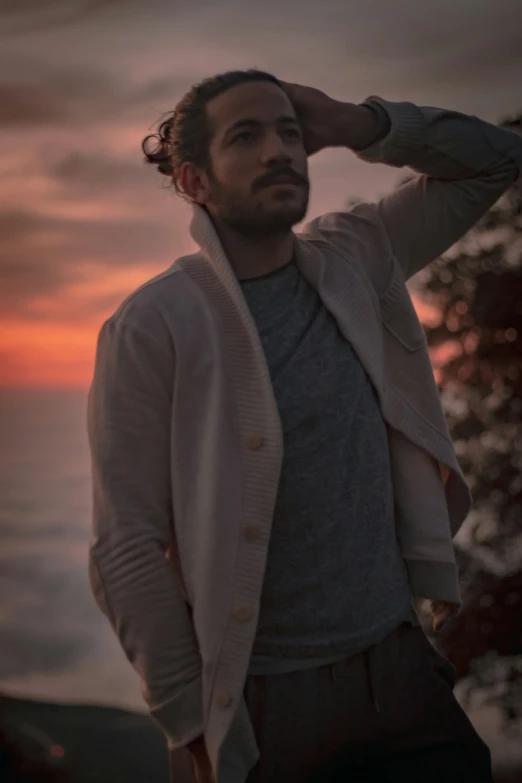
(263, 101)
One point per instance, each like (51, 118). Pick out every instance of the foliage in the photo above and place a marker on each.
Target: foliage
(477, 288)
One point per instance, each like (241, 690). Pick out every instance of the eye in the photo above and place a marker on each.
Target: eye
(293, 133)
(245, 136)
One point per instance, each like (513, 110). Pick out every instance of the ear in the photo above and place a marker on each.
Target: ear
(194, 183)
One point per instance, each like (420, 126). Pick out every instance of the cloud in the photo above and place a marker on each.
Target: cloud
(98, 173)
(81, 203)
(39, 238)
(42, 255)
(56, 97)
(86, 203)
(28, 16)
(114, 181)
(377, 45)
(483, 57)
(43, 95)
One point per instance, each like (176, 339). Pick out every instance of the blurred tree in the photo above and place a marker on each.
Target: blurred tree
(476, 348)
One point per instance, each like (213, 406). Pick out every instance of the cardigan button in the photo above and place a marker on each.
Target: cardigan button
(223, 699)
(253, 440)
(252, 532)
(243, 613)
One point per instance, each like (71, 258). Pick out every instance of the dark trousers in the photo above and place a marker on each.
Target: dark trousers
(388, 714)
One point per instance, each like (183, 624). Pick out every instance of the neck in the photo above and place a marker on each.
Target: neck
(255, 256)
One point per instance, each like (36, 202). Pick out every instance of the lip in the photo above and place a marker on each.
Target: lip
(283, 181)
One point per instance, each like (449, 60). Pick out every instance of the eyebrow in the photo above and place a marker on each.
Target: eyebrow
(250, 121)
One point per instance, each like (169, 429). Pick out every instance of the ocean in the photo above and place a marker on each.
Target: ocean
(54, 642)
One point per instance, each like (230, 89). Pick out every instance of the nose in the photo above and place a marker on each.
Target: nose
(274, 151)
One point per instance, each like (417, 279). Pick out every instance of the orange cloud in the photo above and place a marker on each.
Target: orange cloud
(58, 350)
(50, 355)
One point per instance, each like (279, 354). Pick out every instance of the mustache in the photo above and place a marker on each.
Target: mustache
(283, 171)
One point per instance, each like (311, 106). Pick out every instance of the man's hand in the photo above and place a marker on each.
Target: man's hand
(202, 767)
(326, 122)
(441, 612)
(317, 112)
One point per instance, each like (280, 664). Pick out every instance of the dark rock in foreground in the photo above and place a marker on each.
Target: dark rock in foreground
(93, 744)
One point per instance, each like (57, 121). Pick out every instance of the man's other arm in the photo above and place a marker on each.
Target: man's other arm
(129, 412)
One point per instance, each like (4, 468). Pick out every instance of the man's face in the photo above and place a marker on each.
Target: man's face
(256, 140)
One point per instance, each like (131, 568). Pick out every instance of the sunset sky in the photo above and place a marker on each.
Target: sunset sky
(83, 221)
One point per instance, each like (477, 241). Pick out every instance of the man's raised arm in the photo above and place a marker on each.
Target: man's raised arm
(465, 165)
(129, 411)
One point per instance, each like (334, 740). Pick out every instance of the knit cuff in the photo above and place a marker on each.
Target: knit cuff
(405, 134)
(383, 127)
(181, 718)
(436, 580)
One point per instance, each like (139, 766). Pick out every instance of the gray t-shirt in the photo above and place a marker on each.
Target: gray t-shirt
(335, 580)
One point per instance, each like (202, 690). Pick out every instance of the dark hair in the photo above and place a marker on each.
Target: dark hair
(185, 134)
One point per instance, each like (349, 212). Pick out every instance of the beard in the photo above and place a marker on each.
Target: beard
(257, 218)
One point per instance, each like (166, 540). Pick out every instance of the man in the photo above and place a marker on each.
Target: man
(274, 481)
